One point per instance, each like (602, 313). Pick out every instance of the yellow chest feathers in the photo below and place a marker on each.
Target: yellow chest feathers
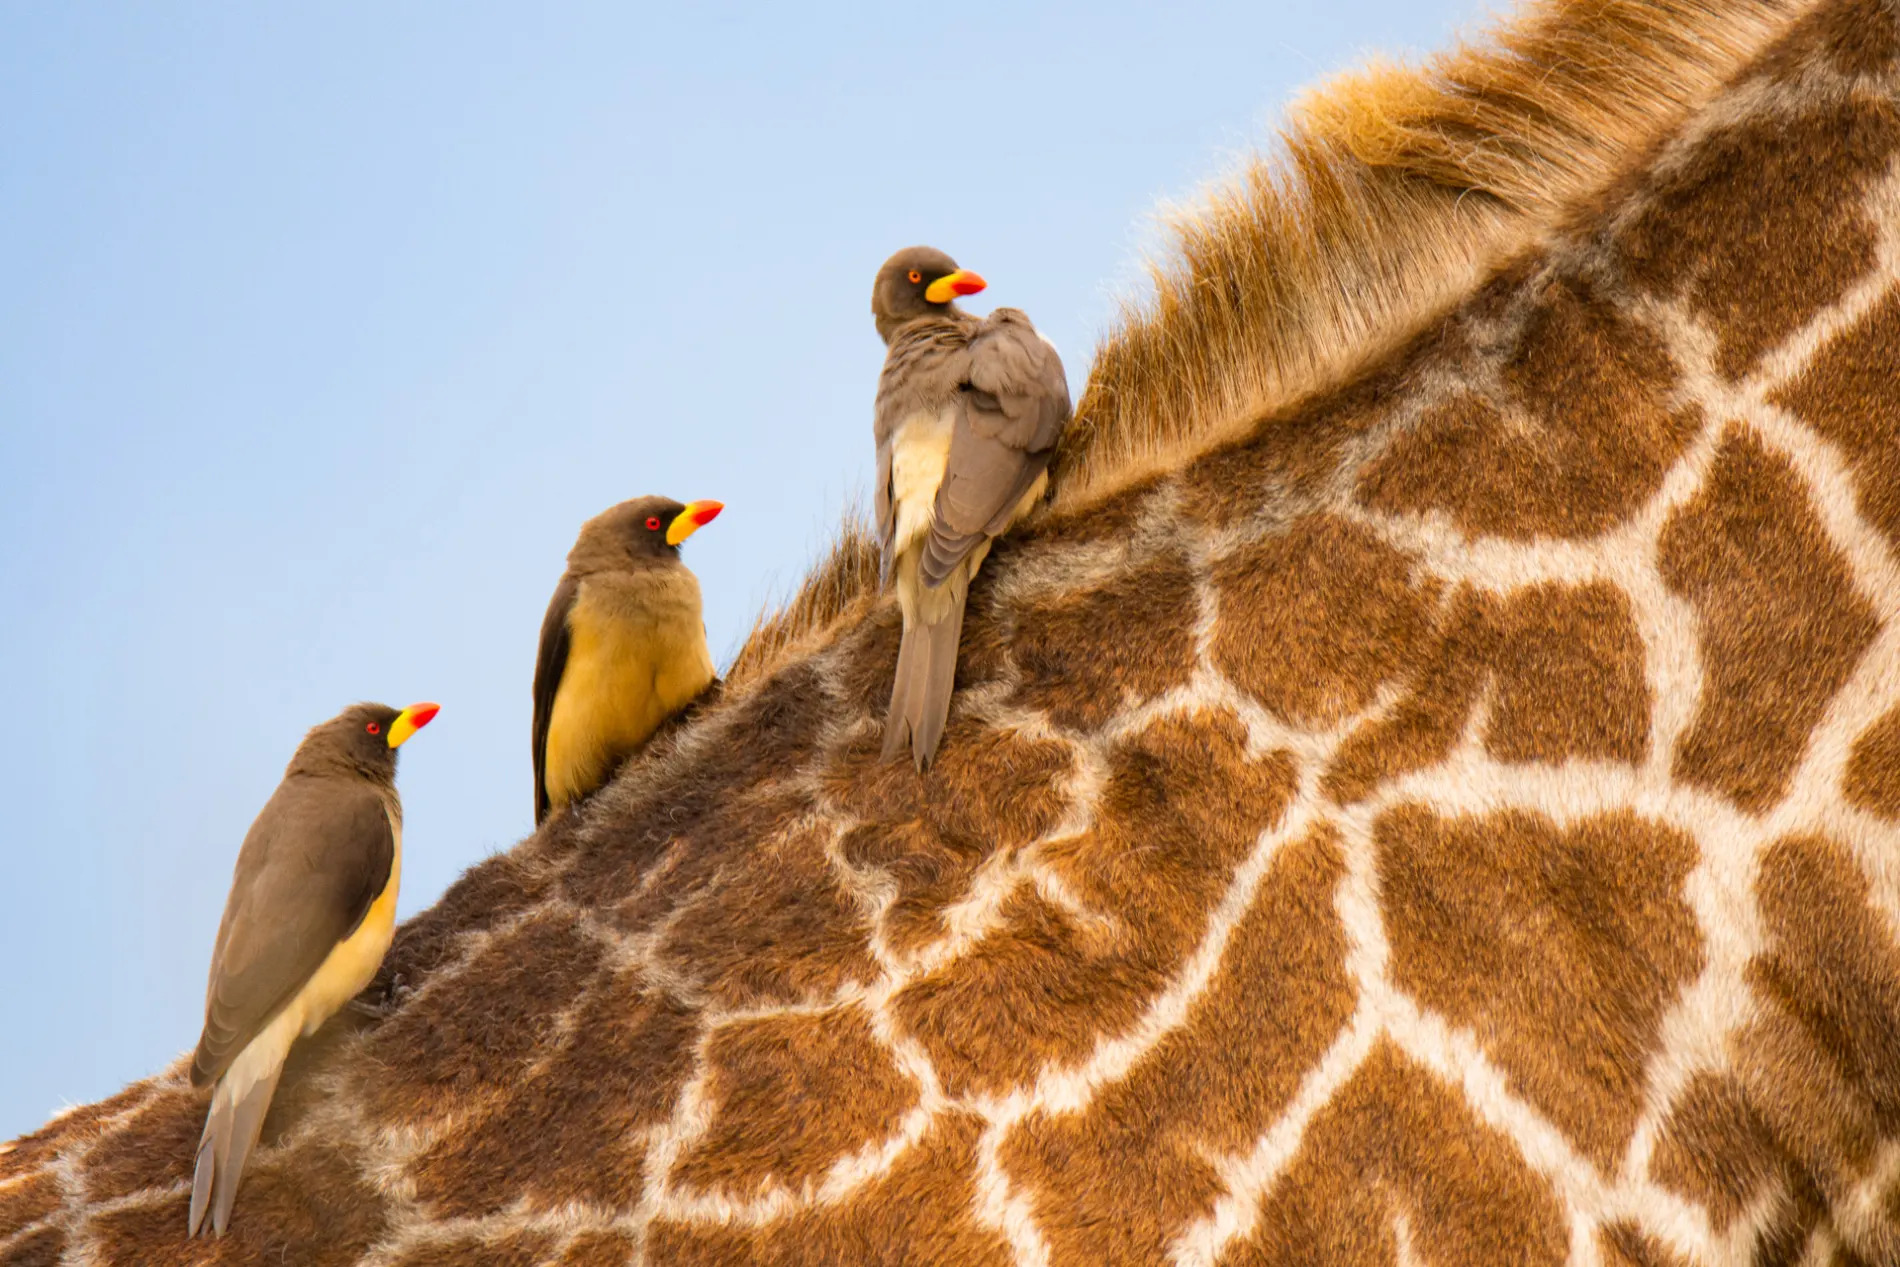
(636, 655)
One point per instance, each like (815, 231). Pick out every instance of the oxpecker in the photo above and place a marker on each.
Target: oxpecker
(623, 646)
(310, 916)
(969, 411)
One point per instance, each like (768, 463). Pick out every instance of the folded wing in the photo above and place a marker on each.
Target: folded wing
(1014, 407)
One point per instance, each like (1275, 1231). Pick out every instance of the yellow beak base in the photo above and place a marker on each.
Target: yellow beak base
(696, 516)
(409, 721)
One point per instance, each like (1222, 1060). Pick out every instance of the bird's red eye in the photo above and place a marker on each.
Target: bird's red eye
(653, 523)
(915, 276)
(373, 729)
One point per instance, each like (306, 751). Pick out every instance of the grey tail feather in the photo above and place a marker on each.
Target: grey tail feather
(896, 719)
(231, 1132)
(920, 694)
(217, 1126)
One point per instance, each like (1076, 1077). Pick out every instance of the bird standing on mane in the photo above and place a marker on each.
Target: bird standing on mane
(969, 410)
(623, 646)
(310, 916)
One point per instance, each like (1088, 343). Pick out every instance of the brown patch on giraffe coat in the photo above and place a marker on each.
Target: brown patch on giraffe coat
(928, 835)
(1396, 1142)
(598, 1249)
(1278, 1000)
(1780, 621)
(1313, 620)
(1872, 778)
(1760, 228)
(1849, 37)
(794, 1094)
(775, 926)
(1569, 678)
(1087, 655)
(919, 1213)
(1846, 394)
(1715, 1150)
(479, 1034)
(1577, 434)
(306, 1204)
(1181, 808)
(1624, 1244)
(1559, 947)
(1821, 1067)
(505, 1249)
(1565, 669)
(164, 1148)
(571, 1131)
(488, 893)
(71, 1131)
(28, 1201)
(44, 1248)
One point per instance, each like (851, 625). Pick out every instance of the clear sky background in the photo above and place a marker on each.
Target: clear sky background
(321, 332)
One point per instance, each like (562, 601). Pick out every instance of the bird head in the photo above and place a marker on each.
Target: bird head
(363, 737)
(918, 281)
(644, 530)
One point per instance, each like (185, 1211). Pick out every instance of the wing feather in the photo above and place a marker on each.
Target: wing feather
(550, 662)
(1014, 407)
(313, 862)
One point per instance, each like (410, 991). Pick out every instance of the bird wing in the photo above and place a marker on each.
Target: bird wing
(550, 662)
(886, 504)
(313, 862)
(1014, 405)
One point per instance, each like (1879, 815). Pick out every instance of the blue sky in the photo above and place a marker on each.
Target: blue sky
(321, 332)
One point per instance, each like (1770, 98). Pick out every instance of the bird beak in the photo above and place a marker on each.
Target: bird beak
(410, 720)
(950, 285)
(696, 516)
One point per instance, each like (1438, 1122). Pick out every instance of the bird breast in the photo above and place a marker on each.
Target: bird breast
(353, 964)
(920, 452)
(638, 655)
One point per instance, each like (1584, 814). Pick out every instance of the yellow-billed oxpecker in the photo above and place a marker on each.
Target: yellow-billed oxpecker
(311, 912)
(969, 410)
(623, 646)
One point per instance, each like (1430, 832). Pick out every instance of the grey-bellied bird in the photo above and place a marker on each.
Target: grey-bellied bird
(310, 916)
(969, 411)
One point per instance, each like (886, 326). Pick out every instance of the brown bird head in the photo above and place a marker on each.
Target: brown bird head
(918, 281)
(362, 739)
(644, 532)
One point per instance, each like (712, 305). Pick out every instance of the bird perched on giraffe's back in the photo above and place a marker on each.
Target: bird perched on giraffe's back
(311, 913)
(623, 646)
(969, 412)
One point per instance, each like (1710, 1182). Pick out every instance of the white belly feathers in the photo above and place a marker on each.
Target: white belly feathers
(920, 450)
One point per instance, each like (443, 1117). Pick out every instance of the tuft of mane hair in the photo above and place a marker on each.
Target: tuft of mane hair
(1391, 192)
(847, 575)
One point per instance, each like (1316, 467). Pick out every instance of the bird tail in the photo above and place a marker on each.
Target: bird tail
(231, 1130)
(926, 676)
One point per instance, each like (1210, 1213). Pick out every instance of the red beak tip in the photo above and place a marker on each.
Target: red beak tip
(707, 512)
(421, 715)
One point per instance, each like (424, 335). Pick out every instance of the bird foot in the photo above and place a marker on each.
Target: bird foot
(394, 995)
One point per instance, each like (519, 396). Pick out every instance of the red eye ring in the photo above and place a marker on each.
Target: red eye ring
(653, 523)
(915, 276)
(373, 729)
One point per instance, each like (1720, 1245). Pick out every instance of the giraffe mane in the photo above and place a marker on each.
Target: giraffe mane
(1387, 193)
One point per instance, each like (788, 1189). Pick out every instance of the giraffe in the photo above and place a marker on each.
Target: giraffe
(1448, 815)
